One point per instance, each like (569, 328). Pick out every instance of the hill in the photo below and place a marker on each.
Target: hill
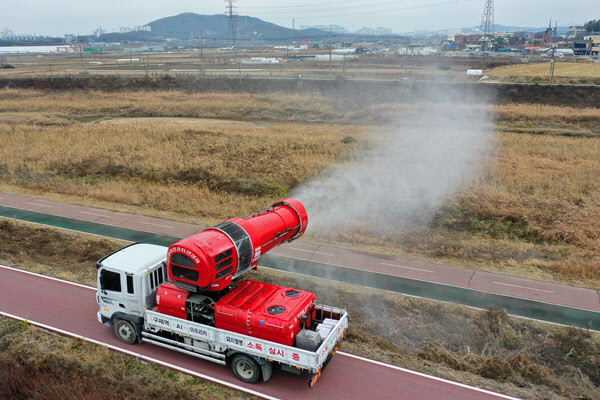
(188, 25)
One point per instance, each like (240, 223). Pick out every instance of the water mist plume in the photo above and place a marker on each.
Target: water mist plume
(406, 173)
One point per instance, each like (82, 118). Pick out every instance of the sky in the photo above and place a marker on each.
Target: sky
(57, 17)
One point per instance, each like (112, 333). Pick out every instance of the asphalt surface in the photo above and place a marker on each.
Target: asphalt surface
(72, 308)
(542, 291)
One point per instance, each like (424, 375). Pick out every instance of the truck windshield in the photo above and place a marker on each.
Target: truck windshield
(110, 280)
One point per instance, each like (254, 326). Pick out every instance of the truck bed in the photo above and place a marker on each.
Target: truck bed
(293, 356)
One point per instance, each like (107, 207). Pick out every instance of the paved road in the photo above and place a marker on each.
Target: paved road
(72, 308)
(548, 292)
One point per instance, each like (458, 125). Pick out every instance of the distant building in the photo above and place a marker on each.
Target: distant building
(467, 39)
(142, 28)
(138, 28)
(5, 33)
(143, 49)
(326, 28)
(381, 31)
(21, 36)
(99, 32)
(575, 32)
(588, 46)
(8, 34)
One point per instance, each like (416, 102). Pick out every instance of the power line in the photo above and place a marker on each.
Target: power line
(308, 5)
(431, 5)
(328, 4)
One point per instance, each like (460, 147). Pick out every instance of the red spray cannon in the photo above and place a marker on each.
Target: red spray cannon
(211, 259)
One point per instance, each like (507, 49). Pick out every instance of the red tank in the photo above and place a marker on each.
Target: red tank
(265, 311)
(171, 300)
(211, 259)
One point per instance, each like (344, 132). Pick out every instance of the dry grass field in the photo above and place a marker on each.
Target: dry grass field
(535, 211)
(566, 69)
(37, 364)
(564, 72)
(486, 349)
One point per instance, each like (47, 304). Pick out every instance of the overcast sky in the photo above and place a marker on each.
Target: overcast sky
(58, 17)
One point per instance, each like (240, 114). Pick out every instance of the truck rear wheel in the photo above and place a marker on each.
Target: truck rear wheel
(125, 331)
(245, 368)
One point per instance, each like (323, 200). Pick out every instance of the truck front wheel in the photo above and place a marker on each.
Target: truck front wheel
(125, 331)
(245, 368)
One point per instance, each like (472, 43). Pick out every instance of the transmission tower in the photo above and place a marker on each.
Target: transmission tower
(231, 14)
(487, 25)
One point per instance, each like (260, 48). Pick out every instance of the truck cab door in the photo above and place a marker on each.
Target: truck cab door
(130, 294)
(111, 292)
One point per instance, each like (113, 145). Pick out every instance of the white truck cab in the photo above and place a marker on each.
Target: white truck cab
(127, 284)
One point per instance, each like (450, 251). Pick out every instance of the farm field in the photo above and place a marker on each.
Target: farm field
(564, 72)
(483, 348)
(563, 68)
(533, 212)
(213, 62)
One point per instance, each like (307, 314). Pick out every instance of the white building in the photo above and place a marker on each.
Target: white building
(99, 32)
(21, 36)
(137, 28)
(5, 33)
(382, 31)
(326, 28)
(379, 31)
(142, 28)
(575, 31)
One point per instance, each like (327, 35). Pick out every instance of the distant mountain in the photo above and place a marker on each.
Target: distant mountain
(188, 25)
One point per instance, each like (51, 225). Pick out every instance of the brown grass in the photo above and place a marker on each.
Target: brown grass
(90, 105)
(207, 172)
(535, 212)
(35, 364)
(486, 349)
(564, 69)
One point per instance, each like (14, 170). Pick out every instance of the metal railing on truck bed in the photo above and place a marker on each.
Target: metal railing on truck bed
(293, 356)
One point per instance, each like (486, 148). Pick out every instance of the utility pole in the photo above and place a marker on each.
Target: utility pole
(553, 61)
(330, 48)
(201, 56)
(81, 58)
